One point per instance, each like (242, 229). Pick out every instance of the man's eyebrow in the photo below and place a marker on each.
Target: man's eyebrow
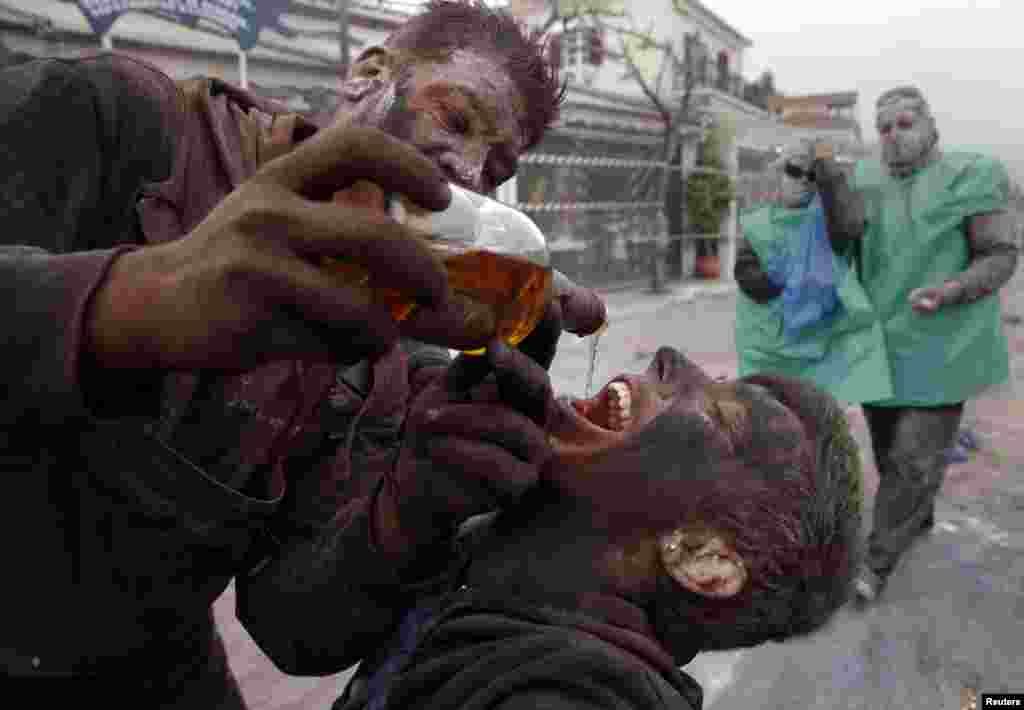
(369, 52)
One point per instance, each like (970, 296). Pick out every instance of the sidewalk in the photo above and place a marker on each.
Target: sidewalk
(624, 303)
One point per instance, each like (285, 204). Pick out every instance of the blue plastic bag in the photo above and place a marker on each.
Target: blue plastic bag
(806, 271)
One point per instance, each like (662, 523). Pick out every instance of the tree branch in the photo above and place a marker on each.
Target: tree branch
(645, 36)
(637, 75)
(680, 7)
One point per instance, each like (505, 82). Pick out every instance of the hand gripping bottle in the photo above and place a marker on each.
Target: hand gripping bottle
(497, 261)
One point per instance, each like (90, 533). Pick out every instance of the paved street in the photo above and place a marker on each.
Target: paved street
(951, 619)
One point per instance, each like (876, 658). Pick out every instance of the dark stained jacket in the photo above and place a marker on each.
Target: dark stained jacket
(459, 647)
(131, 500)
(462, 638)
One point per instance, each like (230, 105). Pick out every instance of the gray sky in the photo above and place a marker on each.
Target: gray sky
(967, 56)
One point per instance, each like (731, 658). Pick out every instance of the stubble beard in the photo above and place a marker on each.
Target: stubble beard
(903, 157)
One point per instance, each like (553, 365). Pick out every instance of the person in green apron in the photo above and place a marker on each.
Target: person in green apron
(930, 241)
(937, 246)
(842, 351)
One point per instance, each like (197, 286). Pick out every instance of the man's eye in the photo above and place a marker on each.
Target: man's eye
(885, 128)
(456, 123)
(905, 125)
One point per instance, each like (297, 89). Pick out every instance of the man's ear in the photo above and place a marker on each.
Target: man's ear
(703, 561)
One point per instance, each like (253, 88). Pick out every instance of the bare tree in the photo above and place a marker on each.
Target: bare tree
(665, 74)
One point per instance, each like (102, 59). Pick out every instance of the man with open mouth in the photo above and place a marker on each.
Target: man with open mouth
(675, 514)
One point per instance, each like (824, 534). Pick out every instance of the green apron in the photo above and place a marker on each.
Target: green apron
(914, 238)
(844, 356)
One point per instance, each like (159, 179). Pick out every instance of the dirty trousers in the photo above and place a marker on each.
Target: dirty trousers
(909, 444)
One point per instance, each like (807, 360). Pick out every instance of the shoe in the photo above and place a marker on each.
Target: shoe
(868, 585)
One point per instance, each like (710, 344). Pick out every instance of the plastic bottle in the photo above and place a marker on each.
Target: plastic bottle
(497, 260)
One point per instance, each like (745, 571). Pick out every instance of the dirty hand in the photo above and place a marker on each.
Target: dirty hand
(469, 447)
(931, 299)
(246, 285)
(583, 311)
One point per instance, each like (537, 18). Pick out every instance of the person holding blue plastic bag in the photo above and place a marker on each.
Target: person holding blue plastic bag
(801, 311)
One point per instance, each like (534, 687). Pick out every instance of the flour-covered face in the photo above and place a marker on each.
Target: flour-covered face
(796, 188)
(907, 133)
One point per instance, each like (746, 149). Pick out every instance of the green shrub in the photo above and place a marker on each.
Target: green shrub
(708, 195)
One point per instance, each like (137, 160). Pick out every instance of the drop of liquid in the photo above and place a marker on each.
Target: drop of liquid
(592, 345)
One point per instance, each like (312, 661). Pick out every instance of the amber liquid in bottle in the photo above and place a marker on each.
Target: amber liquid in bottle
(502, 295)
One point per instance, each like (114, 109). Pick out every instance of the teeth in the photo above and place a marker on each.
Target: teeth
(619, 406)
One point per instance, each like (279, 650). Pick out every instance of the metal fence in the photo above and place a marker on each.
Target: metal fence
(599, 203)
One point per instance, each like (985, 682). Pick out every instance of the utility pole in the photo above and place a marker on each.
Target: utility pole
(343, 48)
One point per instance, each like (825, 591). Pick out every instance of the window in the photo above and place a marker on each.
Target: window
(723, 71)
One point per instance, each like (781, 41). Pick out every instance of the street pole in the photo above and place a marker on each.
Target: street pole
(343, 49)
(243, 68)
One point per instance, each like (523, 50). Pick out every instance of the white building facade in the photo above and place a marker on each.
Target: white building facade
(593, 185)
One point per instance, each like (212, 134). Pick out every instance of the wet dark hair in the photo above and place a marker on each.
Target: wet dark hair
(448, 25)
(796, 524)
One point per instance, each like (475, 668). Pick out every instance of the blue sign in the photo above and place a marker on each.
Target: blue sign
(242, 18)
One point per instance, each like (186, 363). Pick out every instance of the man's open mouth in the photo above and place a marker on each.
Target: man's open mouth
(610, 409)
(601, 420)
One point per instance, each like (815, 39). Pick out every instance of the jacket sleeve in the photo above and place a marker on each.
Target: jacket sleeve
(70, 161)
(750, 275)
(324, 596)
(322, 603)
(844, 207)
(993, 252)
(992, 258)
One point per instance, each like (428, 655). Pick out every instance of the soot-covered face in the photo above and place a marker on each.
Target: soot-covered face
(907, 133)
(462, 110)
(666, 458)
(671, 446)
(730, 510)
(713, 416)
(627, 404)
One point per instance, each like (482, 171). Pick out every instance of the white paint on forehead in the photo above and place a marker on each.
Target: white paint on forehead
(484, 68)
(891, 109)
(479, 72)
